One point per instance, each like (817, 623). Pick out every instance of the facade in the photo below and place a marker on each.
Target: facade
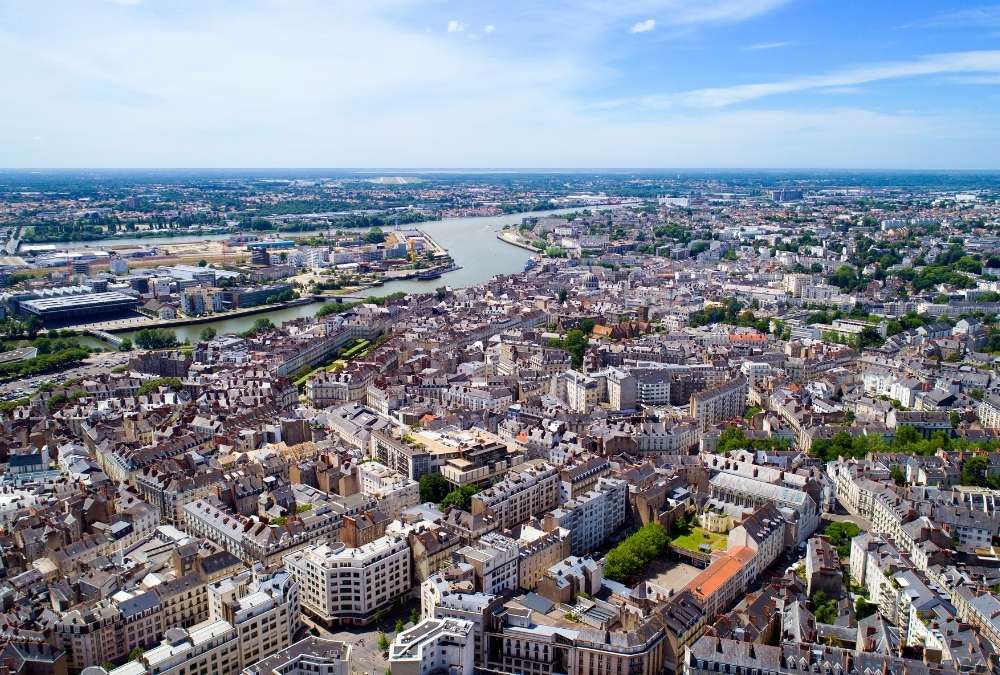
(338, 584)
(593, 516)
(528, 490)
(309, 656)
(726, 401)
(434, 646)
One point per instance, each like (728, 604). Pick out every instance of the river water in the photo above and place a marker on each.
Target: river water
(472, 243)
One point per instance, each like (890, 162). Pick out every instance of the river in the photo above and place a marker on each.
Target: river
(472, 243)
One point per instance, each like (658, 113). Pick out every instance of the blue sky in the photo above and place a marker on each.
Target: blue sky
(522, 83)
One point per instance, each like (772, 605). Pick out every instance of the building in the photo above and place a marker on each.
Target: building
(212, 647)
(823, 572)
(592, 517)
(264, 611)
(309, 656)
(434, 646)
(494, 558)
(351, 585)
(83, 306)
(529, 490)
(724, 402)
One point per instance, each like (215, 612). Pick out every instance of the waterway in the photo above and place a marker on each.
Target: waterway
(472, 243)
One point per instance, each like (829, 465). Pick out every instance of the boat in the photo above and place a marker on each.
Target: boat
(427, 275)
(529, 264)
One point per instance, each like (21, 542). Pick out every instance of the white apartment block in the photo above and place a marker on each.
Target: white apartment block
(528, 490)
(265, 612)
(210, 647)
(394, 491)
(308, 656)
(989, 412)
(495, 561)
(434, 646)
(338, 584)
(591, 517)
(717, 404)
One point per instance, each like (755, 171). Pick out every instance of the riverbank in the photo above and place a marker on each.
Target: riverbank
(134, 324)
(515, 240)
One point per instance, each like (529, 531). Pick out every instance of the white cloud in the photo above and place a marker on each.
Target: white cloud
(489, 28)
(455, 26)
(356, 85)
(643, 26)
(986, 61)
(769, 45)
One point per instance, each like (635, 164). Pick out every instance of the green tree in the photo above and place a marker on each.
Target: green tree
(207, 333)
(460, 497)
(433, 487)
(629, 557)
(576, 344)
(32, 326)
(155, 383)
(974, 471)
(126, 345)
(898, 475)
(155, 338)
(383, 642)
(398, 628)
(202, 263)
(136, 654)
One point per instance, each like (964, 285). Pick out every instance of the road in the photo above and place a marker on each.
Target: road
(93, 365)
(366, 657)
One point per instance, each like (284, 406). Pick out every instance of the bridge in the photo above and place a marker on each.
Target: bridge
(104, 336)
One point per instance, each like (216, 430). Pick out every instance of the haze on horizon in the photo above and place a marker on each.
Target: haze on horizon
(427, 84)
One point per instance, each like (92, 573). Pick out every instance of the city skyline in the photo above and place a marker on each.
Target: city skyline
(410, 84)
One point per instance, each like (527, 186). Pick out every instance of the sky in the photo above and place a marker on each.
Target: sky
(878, 84)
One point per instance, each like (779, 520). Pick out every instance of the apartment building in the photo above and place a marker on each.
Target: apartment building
(434, 646)
(263, 610)
(528, 490)
(989, 412)
(393, 491)
(724, 402)
(338, 584)
(592, 517)
(209, 647)
(308, 656)
(718, 586)
(494, 559)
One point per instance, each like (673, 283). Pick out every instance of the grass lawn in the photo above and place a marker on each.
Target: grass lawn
(696, 537)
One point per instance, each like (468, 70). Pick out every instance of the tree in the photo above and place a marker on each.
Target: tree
(374, 236)
(840, 535)
(383, 642)
(414, 616)
(460, 497)
(576, 344)
(974, 471)
(155, 338)
(126, 345)
(433, 487)
(629, 557)
(898, 475)
(398, 628)
(562, 295)
(202, 263)
(33, 325)
(864, 609)
(259, 326)
(208, 333)
(136, 654)
(154, 384)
